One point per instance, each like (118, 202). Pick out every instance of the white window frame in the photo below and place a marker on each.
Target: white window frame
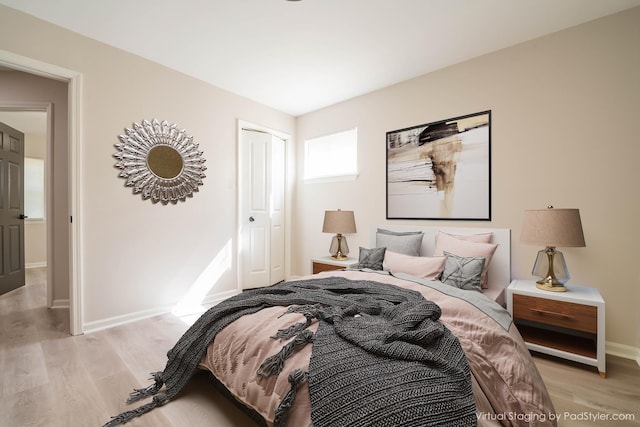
(320, 153)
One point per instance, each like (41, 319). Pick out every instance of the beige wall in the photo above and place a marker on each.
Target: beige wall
(136, 256)
(564, 109)
(35, 245)
(35, 231)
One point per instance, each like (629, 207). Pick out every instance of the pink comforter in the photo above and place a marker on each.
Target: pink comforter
(507, 386)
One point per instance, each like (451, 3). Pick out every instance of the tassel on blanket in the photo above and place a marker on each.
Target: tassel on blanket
(296, 378)
(141, 393)
(273, 365)
(305, 308)
(309, 311)
(286, 333)
(158, 400)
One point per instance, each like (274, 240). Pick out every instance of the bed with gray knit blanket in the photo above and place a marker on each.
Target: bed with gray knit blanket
(353, 348)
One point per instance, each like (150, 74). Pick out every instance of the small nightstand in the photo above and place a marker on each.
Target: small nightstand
(327, 264)
(563, 324)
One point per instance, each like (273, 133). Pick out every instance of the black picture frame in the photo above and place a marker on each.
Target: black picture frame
(440, 170)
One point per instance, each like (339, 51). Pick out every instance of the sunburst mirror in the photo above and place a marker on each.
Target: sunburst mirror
(160, 161)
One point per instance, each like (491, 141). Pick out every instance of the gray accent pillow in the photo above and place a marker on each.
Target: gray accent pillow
(407, 243)
(371, 258)
(463, 272)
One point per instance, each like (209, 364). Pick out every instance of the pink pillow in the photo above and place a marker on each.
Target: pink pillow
(478, 238)
(428, 268)
(466, 248)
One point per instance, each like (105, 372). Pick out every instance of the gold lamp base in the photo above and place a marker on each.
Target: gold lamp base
(548, 285)
(556, 274)
(339, 248)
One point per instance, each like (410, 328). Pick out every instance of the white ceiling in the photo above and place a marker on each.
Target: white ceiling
(299, 56)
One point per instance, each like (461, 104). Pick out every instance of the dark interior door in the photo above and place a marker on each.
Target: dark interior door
(11, 208)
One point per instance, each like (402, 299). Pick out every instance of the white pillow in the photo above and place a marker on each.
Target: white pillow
(478, 238)
(428, 268)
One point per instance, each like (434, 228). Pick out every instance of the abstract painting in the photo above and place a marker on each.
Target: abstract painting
(441, 170)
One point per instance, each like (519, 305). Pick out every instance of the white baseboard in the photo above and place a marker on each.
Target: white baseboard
(60, 303)
(111, 322)
(99, 325)
(623, 350)
(35, 265)
(212, 300)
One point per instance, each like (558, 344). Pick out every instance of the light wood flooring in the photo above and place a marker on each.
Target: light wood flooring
(49, 378)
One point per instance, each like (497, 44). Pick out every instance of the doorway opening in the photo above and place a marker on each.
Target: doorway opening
(73, 80)
(33, 121)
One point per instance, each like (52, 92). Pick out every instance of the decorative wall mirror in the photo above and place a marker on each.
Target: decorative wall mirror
(160, 162)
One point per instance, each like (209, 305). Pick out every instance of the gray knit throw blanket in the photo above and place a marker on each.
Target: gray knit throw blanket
(380, 356)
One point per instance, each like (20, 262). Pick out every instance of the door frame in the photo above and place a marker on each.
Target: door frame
(288, 179)
(74, 99)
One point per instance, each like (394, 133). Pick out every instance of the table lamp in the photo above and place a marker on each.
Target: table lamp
(552, 228)
(339, 222)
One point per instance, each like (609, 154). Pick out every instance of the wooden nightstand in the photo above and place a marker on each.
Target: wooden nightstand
(563, 324)
(327, 264)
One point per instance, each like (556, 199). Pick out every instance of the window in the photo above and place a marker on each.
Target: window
(34, 188)
(332, 156)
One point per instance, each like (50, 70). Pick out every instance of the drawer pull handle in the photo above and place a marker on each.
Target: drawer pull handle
(551, 313)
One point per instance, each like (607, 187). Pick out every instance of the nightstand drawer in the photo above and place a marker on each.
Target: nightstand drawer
(557, 313)
(319, 267)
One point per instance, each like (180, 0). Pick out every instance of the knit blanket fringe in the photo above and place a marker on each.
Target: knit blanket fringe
(158, 400)
(296, 378)
(273, 365)
(141, 393)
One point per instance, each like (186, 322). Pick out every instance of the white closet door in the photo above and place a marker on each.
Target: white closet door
(262, 174)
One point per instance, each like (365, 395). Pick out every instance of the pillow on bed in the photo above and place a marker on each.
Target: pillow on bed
(407, 243)
(463, 272)
(465, 248)
(428, 268)
(371, 258)
(478, 238)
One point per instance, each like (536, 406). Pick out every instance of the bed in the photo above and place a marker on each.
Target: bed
(378, 344)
